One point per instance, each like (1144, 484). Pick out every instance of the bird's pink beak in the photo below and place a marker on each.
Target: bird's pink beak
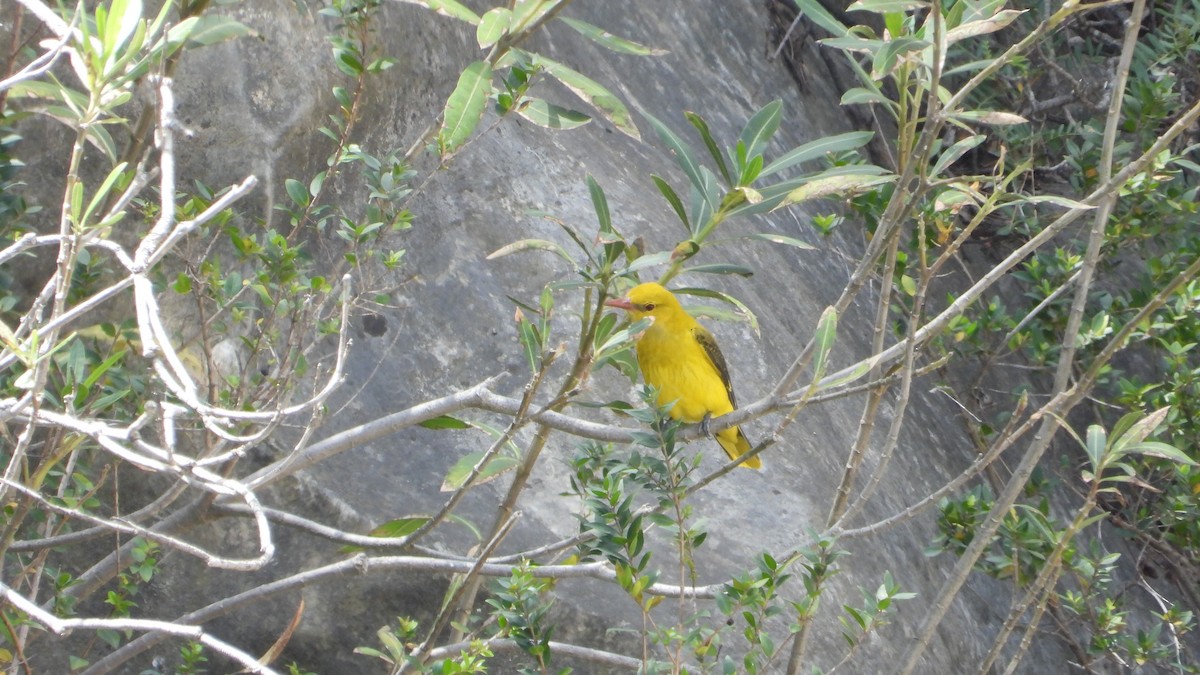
(619, 303)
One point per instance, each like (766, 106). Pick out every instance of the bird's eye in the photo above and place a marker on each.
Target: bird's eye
(649, 306)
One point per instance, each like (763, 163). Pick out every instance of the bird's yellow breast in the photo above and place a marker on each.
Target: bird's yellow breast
(674, 362)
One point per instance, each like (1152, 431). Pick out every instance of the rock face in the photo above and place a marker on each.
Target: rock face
(254, 106)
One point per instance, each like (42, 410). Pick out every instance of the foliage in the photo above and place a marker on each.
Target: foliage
(185, 396)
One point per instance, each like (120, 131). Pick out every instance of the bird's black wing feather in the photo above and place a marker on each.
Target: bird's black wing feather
(713, 352)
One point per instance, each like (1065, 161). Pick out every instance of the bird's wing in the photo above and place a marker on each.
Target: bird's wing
(713, 352)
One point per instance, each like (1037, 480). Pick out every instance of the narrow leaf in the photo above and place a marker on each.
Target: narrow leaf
(673, 199)
(823, 187)
(207, 29)
(1139, 429)
(983, 26)
(1160, 450)
(781, 239)
(954, 152)
(1053, 199)
(857, 95)
(817, 149)
(761, 128)
(445, 422)
(683, 154)
(550, 116)
(854, 373)
(824, 339)
(531, 245)
(400, 527)
(1097, 441)
(102, 191)
(817, 13)
(600, 205)
(992, 117)
(610, 41)
(642, 262)
(608, 105)
(706, 135)
(743, 312)
(884, 6)
(722, 268)
(451, 8)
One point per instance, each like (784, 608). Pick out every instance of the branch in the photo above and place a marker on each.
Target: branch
(61, 627)
(360, 565)
(597, 656)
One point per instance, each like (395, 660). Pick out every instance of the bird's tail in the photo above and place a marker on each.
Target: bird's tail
(735, 444)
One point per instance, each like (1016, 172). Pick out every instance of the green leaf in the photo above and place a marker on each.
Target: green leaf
(644, 261)
(983, 26)
(77, 203)
(743, 313)
(954, 152)
(297, 192)
(853, 43)
(684, 156)
(610, 41)
(824, 338)
(969, 67)
(1051, 199)
(600, 205)
(831, 185)
(1097, 441)
(608, 105)
(817, 13)
(393, 529)
(317, 182)
(781, 239)
(1136, 427)
(618, 339)
(445, 422)
(531, 342)
(992, 117)
(854, 373)
(706, 135)
(884, 6)
(98, 371)
(857, 95)
(886, 58)
(673, 199)
(465, 106)
(457, 476)
(400, 527)
(207, 29)
(704, 200)
(451, 8)
(1160, 450)
(761, 128)
(527, 13)
(550, 116)
(102, 192)
(123, 19)
(493, 26)
(532, 245)
(722, 268)
(819, 148)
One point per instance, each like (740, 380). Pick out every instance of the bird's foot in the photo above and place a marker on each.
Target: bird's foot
(704, 425)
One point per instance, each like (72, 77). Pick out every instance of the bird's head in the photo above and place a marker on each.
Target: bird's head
(649, 299)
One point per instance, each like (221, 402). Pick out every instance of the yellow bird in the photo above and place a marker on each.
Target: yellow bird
(681, 359)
